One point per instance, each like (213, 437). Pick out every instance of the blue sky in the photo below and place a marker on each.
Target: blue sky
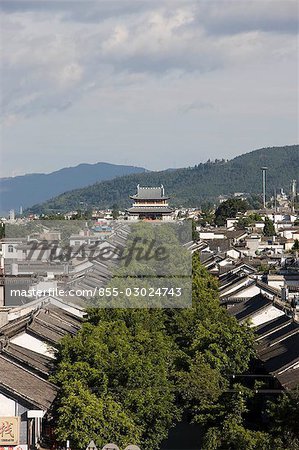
(156, 84)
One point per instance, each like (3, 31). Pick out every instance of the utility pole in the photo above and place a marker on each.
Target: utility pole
(264, 180)
(293, 193)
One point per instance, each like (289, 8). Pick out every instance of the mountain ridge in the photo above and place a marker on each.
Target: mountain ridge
(25, 190)
(193, 185)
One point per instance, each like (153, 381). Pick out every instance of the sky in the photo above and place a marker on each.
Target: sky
(156, 84)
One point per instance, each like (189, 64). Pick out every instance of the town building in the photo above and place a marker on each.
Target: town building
(150, 203)
(29, 336)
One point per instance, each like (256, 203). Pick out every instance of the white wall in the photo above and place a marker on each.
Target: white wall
(7, 406)
(266, 315)
(233, 253)
(233, 288)
(27, 341)
(251, 291)
(23, 310)
(277, 284)
(6, 253)
(210, 235)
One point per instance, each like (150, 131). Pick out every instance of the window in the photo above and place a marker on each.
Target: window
(10, 248)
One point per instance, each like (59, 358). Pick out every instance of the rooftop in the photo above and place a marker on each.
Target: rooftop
(251, 306)
(150, 193)
(29, 359)
(150, 209)
(23, 384)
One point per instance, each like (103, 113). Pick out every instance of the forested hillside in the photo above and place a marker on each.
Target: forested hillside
(190, 186)
(38, 187)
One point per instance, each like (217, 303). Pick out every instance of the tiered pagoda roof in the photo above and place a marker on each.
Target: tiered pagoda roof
(149, 193)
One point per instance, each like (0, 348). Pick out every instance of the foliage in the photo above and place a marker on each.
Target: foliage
(124, 361)
(269, 229)
(129, 374)
(255, 201)
(243, 223)
(228, 431)
(115, 212)
(284, 416)
(192, 186)
(52, 216)
(2, 230)
(263, 268)
(207, 216)
(195, 234)
(84, 416)
(234, 436)
(247, 221)
(229, 209)
(15, 230)
(296, 245)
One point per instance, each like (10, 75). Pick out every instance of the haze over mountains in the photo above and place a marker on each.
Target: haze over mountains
(189, 186)
(27, 190)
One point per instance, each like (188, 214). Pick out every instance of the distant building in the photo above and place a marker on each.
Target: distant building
(12, 215)
(150, 203)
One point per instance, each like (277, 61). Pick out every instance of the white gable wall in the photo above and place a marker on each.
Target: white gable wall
(7, 406)
(249, 292)
(31, 343)
(234, 288)
(267, 314)
(21, 311)
(235, 254)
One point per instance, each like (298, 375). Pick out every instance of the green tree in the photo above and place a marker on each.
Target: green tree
(284, 416)
(243, 223)
(195, 234)
(229, 209)
(269, 229)
(229, 431)
(123, 360)
(83, 415)
(207, 214)
(129, 374)
(247, 221)
(2, 230)
(296, 245)
(212, 346)
(115, 212)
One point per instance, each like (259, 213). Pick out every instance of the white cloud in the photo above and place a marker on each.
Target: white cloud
(124, 57)
(10, 120)
(47, 57)
(70, 74)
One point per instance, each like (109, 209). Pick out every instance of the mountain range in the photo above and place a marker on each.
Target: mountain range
(190, 186)
(26, 190)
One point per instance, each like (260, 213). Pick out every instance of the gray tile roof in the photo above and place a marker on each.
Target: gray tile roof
(277, 335)
(23, 384)
(265, 287)
(149, 193)
(150, 209)
(244, 310)
(272, 325)
(281, 354)
(29, 359)
(23, 372)
(48, 323)
(289, 379)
